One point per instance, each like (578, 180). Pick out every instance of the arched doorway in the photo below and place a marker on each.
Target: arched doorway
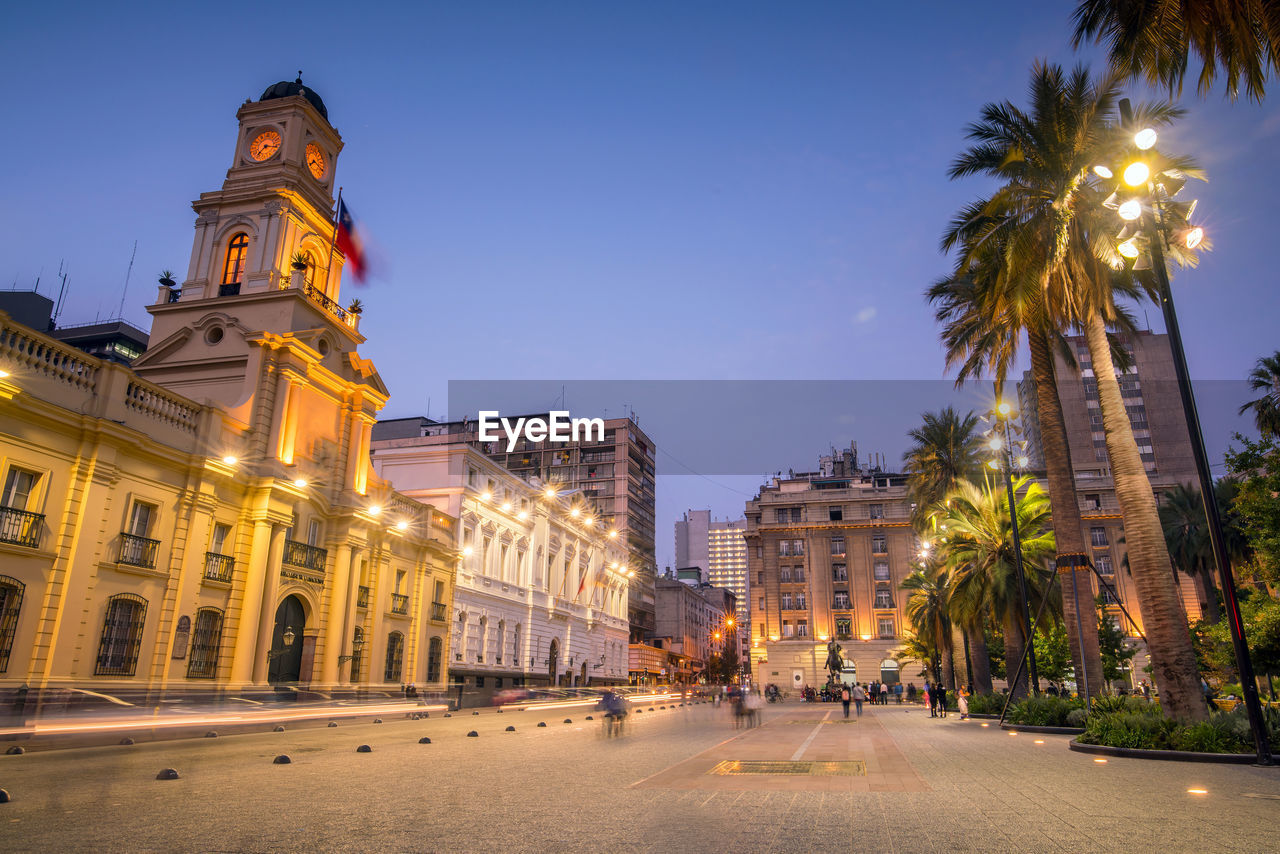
(286, 642)
(553, 662)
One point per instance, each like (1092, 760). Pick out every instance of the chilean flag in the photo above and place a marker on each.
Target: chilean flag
(349, 244)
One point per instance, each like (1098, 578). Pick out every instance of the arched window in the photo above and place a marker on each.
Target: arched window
(121, 635)
(237, 248)
(203, 663)
(310, 276)
(433, 660)
(11, 590)
(889, 671)
(395, 657)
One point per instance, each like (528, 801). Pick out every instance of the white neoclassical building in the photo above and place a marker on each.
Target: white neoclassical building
(540, 597)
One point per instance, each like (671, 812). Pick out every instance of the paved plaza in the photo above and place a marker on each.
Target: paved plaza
(678, 779)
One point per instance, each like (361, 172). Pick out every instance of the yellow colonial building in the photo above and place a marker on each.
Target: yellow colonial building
(208, 520)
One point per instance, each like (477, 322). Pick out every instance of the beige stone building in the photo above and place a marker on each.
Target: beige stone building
(542, 584)
(208, 521)
(827, 552)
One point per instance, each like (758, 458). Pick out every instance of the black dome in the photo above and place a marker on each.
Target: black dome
(286, 89)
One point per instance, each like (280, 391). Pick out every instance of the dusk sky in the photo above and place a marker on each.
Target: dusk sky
(596, 191)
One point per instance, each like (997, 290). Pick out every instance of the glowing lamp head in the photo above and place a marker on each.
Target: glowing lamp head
(1144, 138)
(613, 535)
(588, 521)
(1193, 237)
(522, 515)
(1004, 409)
(300, 482)
(991, 464)
(1103, 172)
(374, 509)
(549, 492)
(486, 495)
(229, 459)
(1130, 210)
(1023, 462)
(506, 507)
(402, 525)
(575, 512)
(995, 444)
(1136, 174)
(466, 551)
(1128, 249)
(614, 565)
(729, 622)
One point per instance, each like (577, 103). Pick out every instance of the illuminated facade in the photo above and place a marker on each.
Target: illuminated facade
(208, 521)
(541, 586)
(827, 552)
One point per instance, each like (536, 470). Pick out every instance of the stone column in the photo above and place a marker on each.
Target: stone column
(353, 589)
(246, 641)
(267, 612)
(335, 621)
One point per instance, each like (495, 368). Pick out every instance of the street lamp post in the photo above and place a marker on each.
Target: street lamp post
(1002, 445)
(1153, 225)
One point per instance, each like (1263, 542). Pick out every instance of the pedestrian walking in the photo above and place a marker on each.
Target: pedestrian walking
(940, 700)
(845, 697)
(928, 700)
(962, 700)
(884, 694)
(911, 693)
(897, 693)
(858, 696)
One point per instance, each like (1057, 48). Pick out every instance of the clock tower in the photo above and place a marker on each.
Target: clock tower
(256, 327)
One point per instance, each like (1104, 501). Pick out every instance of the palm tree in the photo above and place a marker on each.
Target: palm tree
(1153, 40)
(1266, 409)
(927, 612)
(1187, 537)
(1012, 244)
(945, 451)
(980, 554)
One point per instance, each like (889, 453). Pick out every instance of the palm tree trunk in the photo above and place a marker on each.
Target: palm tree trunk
(1173, 659)
(1077, 609)
(981, 661)
(1208, 591)
(1013, 652)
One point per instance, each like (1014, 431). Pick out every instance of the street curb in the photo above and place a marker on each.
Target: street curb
(1170, 755)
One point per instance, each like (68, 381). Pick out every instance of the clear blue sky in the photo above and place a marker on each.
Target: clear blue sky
(595, 190)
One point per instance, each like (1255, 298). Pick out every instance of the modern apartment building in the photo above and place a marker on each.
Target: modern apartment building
(686, 624)
(826, 554)
(719, 550)
(614, 475)
(540, 597)
(1150, 391)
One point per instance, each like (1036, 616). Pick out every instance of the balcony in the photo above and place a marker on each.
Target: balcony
(218, 567)
(399, 603)
(362, 597)
(437, 611)
(305, 556)
(138, 551)
(20, 528)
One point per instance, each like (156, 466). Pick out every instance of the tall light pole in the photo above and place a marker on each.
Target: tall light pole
(1153, 225)
(1002, 445)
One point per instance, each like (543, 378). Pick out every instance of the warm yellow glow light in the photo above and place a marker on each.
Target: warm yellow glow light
(229, 459)
(1004, 409)
(402, 525)
(1013, 733)
(866, 637)
(301, 483)
(993, 464)
(613, 535)
(1039, 741)
(374, 509)
(1197, 791)
(1128, 249)
(1130, 210)
(588, 521)
(984, 724)
(549, 492)
(729, 622)
(615, 565)
(1136, 174)
(506, 507)
(522, 515)
(1022, 462)
(1101, 761)
(1144, 138)
(466, 551)
(773, 637)
(575, 512)
(485, 496)
(995, 444)
(1194, 236)
(1103, 172)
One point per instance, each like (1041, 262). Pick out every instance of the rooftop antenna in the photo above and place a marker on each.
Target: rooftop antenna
(62, 293)
(127, 274)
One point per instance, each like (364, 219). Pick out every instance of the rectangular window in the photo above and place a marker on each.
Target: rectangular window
(837, 545)
(786, 601)
(313, 532)
(885, 625)
(219, 538)
(203, 663)
(877, 511)
(835, 514)
(760, 577)
(798, 573)
(839, 572)
(1103, 563)
(1098, 536)
(788, 630)
(439, 595)
(18, 486)
(878, 544)
(782, 514)
(800, 606)
(840, 599)
(880, 571)
(1093, 502)
(884, 598)
(802, 629)
(140, 519)
(844, 628)
(762, 603)
(784, 574)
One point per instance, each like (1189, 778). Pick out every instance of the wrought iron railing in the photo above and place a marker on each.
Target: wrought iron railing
(305, 556)
(320, 298)
(437, 611)
(138, 551)
(362, 597)
(20, 527)
(218, 567)
(399, 603)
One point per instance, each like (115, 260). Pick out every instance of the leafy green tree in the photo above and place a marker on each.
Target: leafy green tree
(945, 450)
(1053, 654)
(1153, 40)
(1256, 468)
(1260, 614)
(1265, 378)
(1116, 652)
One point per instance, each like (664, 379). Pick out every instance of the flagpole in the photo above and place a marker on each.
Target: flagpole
(333, 238)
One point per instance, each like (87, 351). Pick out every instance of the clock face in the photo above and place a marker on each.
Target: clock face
(315, 160)
(265, 145)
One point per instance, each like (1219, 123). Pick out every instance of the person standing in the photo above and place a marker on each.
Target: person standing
(858, 696)
(845, 697)
(962, 700)
(884, 694)
(897, 693)
(928, 699)
(940, 700)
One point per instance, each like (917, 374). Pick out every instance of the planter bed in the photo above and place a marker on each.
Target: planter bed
(1051, 730)
(1171, 755)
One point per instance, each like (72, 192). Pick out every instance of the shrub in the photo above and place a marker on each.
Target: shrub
(986, 704)
(1043, 711)
(1077, 717)
(1146, 729)
(1108, 703)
